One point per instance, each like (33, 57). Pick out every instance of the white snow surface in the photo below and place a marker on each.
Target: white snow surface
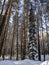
(45, 63)
(6, 62)
(20, 62)
(23, 62)
(27, 62)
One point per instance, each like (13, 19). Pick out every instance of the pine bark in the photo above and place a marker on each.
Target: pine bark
(5, 22)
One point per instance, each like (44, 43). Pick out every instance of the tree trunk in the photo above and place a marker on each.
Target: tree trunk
(5, 21)
(39, 58)
(3, 7)
(23, 42)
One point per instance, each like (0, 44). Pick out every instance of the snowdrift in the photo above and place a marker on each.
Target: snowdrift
(45, 63)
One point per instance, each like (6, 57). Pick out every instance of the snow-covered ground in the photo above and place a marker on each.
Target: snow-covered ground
(21, 62)
(46, 57)
(26, 62)
(6, 62)
(45, 63)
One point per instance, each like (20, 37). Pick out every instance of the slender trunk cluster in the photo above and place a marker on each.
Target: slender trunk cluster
(5, 21)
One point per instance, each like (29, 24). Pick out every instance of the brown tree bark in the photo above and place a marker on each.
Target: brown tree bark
(23, 41)
(5, 21)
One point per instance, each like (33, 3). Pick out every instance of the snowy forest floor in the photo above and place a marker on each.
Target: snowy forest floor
(23, 62)
(26, 62)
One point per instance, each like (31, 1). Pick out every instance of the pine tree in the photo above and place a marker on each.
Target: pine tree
(32, 36)
(24, 32)
(5, 21)
(15, 33)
